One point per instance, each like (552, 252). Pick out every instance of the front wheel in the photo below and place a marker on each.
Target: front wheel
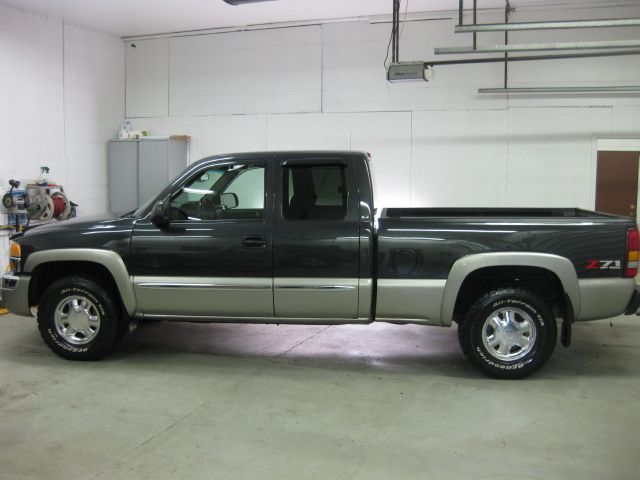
(508, 333)
(78, 319)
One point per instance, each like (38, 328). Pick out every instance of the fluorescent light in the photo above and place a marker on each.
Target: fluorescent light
(539, 47)
(610, 89)
(551, 25)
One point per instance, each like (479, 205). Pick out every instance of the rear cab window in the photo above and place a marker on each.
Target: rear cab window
(314, 192)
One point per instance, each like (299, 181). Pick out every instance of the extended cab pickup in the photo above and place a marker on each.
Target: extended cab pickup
(292, 237)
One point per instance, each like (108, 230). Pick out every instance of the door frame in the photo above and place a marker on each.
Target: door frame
(612, 145)
(157, 289)
(330, 295)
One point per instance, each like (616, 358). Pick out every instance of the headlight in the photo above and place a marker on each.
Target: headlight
(15, 252)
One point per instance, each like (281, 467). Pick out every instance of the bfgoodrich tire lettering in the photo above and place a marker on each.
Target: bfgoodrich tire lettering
(508, 333)
(92, 306)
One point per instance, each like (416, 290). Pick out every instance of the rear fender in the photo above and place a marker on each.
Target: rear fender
(560, 266)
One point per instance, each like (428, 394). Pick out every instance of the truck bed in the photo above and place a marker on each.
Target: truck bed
(437, 237)
(492, 212)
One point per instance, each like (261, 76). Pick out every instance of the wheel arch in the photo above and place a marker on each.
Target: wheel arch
(559, 267)
(72, 260)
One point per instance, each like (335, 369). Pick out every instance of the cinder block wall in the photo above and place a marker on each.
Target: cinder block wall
(61, 99)
(435, 144)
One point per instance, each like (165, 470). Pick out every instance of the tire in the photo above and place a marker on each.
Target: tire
(79, 319)
(508, 333)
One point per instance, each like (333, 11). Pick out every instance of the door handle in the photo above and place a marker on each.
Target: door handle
(254, 241)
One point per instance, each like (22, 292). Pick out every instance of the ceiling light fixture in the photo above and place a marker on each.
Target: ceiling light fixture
(242, 2)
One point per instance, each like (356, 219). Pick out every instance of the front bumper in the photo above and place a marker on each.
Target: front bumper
(15, 293)
(634, 304)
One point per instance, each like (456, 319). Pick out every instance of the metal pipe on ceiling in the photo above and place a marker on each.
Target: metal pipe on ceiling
(395, 32)
(610, 89)
(550, 25)
(540, 47)
(475, 21)
(507, 10)
(398, 30)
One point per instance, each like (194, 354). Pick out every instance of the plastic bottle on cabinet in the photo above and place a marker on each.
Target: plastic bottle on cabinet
(125, 131)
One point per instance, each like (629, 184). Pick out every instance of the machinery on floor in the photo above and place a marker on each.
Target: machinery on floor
(39, 201)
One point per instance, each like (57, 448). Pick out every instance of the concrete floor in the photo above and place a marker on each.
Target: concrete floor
(188, 401)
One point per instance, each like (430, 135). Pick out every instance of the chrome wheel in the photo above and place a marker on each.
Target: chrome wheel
(509, 334)
(77, 320)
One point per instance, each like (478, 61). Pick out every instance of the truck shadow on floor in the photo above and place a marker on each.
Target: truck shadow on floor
(597, 351)
(379, 348)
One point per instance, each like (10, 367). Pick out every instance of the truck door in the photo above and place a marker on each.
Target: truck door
(316, 238)
(215, 257)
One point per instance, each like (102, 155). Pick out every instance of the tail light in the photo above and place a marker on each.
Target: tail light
(633, 252)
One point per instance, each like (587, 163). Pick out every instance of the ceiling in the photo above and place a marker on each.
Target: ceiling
(144, 17)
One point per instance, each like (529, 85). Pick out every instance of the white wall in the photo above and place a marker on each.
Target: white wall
(434, 144)
(61, 99)
(93, 112)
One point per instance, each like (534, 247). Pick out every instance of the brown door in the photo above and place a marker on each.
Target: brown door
(617, 183)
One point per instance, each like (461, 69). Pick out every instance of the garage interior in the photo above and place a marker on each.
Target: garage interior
(471, 123)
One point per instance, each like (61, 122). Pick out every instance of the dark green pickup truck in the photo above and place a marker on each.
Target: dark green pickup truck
(292, 237)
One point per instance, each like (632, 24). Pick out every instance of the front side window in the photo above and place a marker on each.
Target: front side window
(225, 192)
(314, 192)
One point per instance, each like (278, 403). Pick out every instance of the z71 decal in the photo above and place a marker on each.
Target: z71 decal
(603, 264)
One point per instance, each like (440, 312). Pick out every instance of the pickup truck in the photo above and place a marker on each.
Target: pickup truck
(292, 237)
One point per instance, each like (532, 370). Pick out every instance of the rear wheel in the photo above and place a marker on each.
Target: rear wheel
(78, 319)
(508, 333)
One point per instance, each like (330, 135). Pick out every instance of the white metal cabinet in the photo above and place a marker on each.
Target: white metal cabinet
(139, 169)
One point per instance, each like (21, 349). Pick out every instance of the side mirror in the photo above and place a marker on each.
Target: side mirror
(160, 212)
(229, 200)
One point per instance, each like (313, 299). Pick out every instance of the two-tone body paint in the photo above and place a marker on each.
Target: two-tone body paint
(407, 269)
(424, 245)
(305, 269)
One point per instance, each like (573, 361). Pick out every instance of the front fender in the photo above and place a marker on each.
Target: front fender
(108, 259)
